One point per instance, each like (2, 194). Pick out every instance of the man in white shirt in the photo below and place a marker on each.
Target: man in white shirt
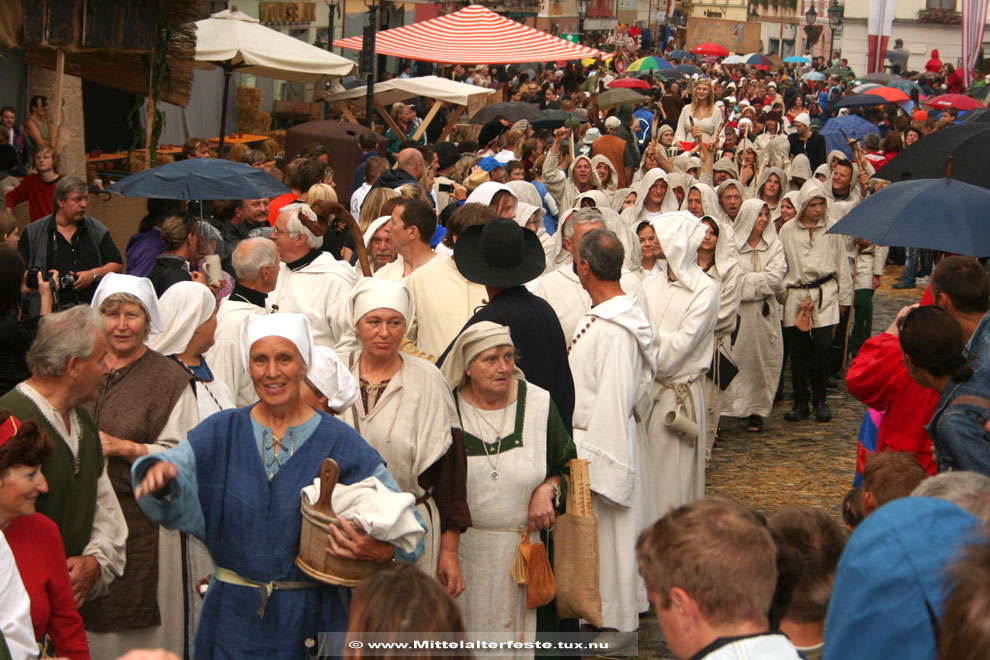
(410, 230)
(373, 168)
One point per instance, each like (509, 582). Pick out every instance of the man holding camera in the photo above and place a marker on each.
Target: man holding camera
(77, 247)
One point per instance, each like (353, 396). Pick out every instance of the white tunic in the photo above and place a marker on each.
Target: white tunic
(563, 291)
(809, 258)
(319, 290)
(612, 362)
(224, 357)
(759, 348)
(492, 602)
(683, 321)
(410, 427)
(444, 303)
(15, 608)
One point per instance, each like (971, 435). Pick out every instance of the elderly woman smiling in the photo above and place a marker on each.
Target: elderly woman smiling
(235, 482)
(517, 449)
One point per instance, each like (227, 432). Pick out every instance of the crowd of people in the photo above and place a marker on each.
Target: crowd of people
(454, 327)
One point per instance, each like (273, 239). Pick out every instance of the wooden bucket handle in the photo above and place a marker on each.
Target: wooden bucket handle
(329, 472)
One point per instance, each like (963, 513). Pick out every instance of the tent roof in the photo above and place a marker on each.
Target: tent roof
(233, 37)
(473, 35)
(400, 89)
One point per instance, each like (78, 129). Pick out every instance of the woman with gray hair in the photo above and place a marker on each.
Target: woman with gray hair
(517, 449)
(145, 405)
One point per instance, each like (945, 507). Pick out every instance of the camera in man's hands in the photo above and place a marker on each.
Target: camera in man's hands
(64, 281)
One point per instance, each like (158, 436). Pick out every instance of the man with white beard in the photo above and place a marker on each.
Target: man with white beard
(612, 357)
(683, 309)
(562, 288)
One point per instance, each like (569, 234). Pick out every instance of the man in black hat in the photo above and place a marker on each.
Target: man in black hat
(503, 256)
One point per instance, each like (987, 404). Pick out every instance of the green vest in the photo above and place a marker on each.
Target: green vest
(71, 497)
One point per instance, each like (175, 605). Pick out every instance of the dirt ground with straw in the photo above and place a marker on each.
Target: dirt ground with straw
(790, 463)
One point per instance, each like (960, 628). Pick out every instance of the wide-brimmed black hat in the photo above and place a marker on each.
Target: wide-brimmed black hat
(499, 254)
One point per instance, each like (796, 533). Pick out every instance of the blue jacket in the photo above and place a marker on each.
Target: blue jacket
(957, 428)
(978, 348)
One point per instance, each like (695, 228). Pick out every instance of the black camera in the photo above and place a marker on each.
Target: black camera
(64, 281)
(445, 187)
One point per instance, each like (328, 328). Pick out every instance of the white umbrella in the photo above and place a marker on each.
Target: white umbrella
(734, 59)
(234, 41)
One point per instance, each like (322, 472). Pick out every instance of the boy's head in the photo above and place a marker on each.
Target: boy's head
(708, 565)
(888, 476)
(852, 508)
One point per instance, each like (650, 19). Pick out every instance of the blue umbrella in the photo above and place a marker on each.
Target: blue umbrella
(680, 54)
(813, 75)
(200, 178)
(797, 59)
(838, 130)
(936, 214)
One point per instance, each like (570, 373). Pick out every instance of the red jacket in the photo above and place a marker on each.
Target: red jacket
(878, 378)
(37, 193)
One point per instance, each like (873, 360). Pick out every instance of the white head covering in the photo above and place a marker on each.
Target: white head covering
(680, 235)
(472, 342)
(139, 287)
(185, 306)
(372, 293)
(483, 194)
(332, 379)
(525, 211)
(746, 219)
(373, 228)
(525, 192)
(803, 118)
(294, 327)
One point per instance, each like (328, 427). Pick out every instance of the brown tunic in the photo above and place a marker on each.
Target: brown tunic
(134, 404)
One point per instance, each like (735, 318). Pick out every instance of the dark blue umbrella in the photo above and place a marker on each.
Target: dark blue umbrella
(858, 101)
(200, 178)
(935, 214)
(689, 69)
(679, 54)
(838, 130)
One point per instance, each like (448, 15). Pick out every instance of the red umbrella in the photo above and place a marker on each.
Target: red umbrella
(631, 83)
(710, 49)
(957, 101)
(889, 94)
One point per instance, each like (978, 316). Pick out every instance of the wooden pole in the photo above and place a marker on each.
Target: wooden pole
(451, 123)
(57, 109)
(426, 120)
(388, 119)
(151, 118)
(227, 72)
(346, 111)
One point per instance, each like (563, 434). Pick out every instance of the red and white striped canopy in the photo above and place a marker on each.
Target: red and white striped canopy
(473, 35)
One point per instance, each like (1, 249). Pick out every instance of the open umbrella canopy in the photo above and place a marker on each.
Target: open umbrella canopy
(670, 74)
(710, 49)
(862, 89)
(905, 85)
(473, 35)
(957, 101)
(734, 59)
(628, 83)
(838, 71)
(614, 97)
(233, 39)
(200, 178)
(554, 119)
(888, 94)
(859, 101)
(797, 59)
(758, 59)
(512, 111)
(879, 77)
(679, 54)
(837, 132)
(978, 93)
(813, 75)
(977, 116)
(936, 214)
(964, 146)
(688, 69)
(651, 63)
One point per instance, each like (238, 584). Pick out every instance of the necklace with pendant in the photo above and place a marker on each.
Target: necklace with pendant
(498, 437)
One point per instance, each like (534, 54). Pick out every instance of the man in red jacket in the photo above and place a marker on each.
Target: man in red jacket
(37, 189)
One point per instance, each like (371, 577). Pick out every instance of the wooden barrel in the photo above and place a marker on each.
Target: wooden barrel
(313, 558)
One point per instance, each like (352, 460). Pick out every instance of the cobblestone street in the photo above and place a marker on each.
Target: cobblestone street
(803, 463)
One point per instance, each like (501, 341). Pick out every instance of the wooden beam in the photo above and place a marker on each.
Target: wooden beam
(57, 109)
(451, 123)
(345, 110)
(388, 119)
(426, 120)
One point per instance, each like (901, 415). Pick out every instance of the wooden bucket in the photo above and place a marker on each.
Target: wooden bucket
(313, 558)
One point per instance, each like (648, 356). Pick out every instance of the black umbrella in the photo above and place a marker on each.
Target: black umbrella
(964, 145)
(879, 77)
(858, 101)
(976, 116)
(554, 119)
(669, 74)
(512, 111)
(688, 69)
(978, 93)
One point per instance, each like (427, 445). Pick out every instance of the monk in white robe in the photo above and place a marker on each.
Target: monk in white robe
(684, 305)
(311, 282)
(562, 289)
(612, 358)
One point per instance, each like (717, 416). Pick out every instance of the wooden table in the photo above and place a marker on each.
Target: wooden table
(246, 138)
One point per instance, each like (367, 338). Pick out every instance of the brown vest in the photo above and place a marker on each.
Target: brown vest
(134, 404)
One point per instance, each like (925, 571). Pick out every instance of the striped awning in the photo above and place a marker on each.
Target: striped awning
(473, 35)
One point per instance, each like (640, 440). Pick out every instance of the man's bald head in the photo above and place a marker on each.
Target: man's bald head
(411, 160)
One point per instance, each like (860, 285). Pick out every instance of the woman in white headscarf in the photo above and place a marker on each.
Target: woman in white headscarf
(517, 449)
(759, 348)
(405, 412)
(788, 209)
(145, 406)
(498, 196)
(717, 257)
